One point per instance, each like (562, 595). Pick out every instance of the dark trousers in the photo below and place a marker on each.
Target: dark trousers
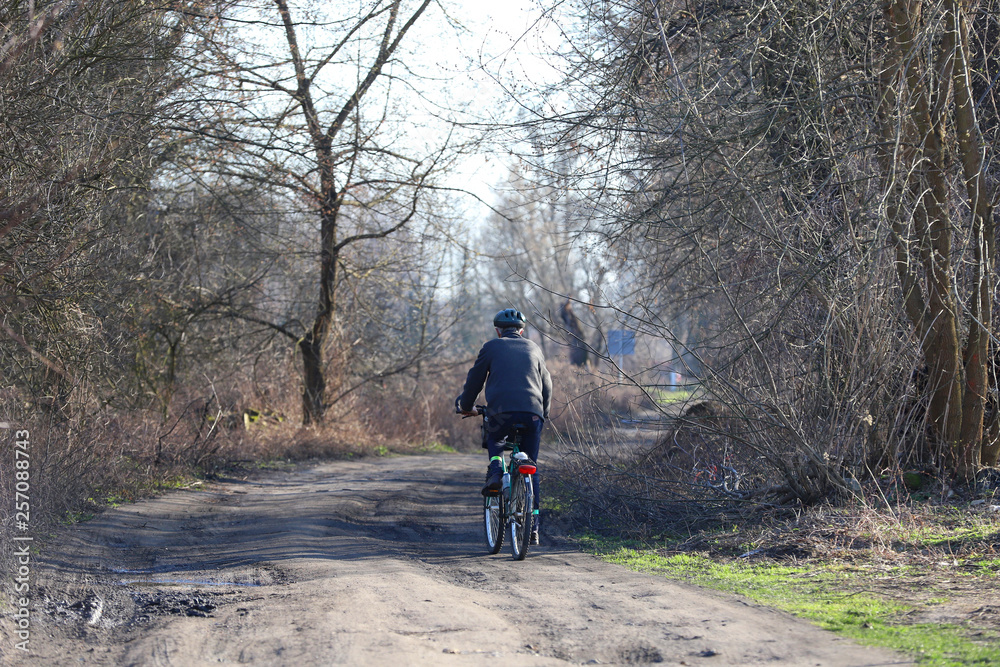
(500, 426)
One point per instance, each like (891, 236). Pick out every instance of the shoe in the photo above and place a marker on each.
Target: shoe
(533, 540)
(494, 476)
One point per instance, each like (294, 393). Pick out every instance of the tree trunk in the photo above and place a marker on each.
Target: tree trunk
(991, 439)
(577, 346)
(313, 407)
(976, 438)
(314, 387)
(919, 99)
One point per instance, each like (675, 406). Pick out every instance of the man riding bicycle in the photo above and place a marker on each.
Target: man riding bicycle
(518, 392)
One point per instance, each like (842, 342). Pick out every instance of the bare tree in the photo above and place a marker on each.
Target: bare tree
(319, 119)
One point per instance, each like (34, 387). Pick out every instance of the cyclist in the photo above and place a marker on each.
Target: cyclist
(518, 391)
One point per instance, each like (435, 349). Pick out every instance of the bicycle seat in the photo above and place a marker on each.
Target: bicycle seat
(516, 434)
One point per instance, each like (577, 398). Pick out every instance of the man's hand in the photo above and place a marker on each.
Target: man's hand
(471, 413)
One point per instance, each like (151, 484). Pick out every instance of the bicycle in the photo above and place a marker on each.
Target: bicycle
(512, 509)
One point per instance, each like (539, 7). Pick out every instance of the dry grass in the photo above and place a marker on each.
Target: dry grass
(406, 412)
(418, 412)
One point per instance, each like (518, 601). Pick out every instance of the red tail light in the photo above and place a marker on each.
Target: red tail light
(527, 470)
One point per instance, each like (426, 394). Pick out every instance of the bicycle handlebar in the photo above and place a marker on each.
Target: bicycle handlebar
(479, 410)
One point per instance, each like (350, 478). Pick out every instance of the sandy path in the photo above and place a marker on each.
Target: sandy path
(374, 562)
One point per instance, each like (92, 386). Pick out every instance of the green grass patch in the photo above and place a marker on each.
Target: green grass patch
(967, 537)
(176, 482)
(954, 538)
(71, 518)
(111, 498)
(276, 464)
(989, 567)
(832, 596)
(435, 447)
(666, 397)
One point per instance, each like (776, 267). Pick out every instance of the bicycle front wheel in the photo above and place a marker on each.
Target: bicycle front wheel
(521, 500)
(493, 522)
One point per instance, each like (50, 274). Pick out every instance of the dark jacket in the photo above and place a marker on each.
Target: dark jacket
(513, 370)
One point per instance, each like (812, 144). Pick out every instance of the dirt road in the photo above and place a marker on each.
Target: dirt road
(374, 562)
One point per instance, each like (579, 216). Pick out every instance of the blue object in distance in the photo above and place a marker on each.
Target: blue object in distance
(621, 342)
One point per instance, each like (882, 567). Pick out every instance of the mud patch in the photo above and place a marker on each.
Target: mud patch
(640, 655)
(85, 608)
(129, 608)
(174, 604)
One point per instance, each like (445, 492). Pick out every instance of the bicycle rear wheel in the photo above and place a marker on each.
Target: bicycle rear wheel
(493, 522)
(521, 500)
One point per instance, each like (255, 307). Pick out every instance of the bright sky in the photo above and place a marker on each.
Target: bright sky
(503, 51)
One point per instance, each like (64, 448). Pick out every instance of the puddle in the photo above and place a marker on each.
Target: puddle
(148, 577)
(185, 582)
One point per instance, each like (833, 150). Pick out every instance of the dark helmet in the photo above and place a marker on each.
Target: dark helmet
(509, 317)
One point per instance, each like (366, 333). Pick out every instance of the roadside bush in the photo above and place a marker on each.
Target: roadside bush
(584, 400)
